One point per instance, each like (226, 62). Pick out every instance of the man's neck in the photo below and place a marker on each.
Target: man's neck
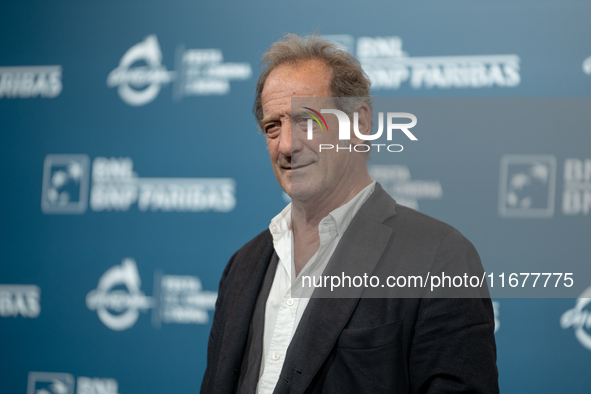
(306, 216)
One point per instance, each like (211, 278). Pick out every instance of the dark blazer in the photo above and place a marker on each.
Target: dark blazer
(367, 345)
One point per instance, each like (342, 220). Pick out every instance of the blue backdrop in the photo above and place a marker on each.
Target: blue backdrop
(133, 169)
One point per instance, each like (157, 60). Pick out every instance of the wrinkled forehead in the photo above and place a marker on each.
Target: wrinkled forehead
(305, 79)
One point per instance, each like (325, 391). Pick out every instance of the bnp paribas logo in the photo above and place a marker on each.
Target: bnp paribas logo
(390, 67)
(310, 119)
(527, 186)
(71, 185)
(65, 184)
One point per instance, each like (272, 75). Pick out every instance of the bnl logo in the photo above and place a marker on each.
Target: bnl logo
(63, 383)
(527, 186)
(50, 383)
(65, 184)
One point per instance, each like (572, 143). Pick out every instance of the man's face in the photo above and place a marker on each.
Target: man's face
(302, 171)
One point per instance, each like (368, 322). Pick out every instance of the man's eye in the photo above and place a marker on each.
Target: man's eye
(271, 129)
(302, 123)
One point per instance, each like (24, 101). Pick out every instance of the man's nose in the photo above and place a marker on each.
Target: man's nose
(290, 143)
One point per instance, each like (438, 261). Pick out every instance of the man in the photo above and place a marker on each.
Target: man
(266, 339)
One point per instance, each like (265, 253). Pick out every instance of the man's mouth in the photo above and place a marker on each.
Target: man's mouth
(297, 167)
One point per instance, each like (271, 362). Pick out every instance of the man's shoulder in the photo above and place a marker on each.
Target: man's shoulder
(417, 234)
(421, 244)
(404, 220)
(255, 248)
(259, 242)
(418, 230)
(248, 255)
(414, 221)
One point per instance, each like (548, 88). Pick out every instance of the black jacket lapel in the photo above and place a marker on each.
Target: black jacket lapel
(238, 314)
(358, 252)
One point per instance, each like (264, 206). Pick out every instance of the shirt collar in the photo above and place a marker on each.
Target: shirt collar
(341, 216)
(281, 223)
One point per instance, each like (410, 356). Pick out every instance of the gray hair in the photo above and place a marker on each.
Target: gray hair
(349, 84)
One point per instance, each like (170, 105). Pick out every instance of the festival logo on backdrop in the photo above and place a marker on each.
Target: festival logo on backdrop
(140, 84)
(178, 299)
(579, 318)
(118, 308)
(198, 72)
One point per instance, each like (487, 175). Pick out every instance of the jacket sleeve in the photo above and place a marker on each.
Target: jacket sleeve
(453, 347)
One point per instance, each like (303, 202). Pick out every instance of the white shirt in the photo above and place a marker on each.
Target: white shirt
(282, 311)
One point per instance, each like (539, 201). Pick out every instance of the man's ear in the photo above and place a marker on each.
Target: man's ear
(364, 122)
